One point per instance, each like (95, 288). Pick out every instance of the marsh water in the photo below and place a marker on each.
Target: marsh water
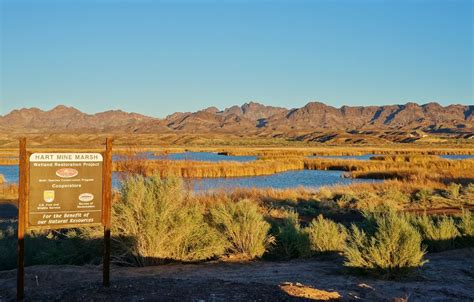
(289, 179)
(457, 157)
(195, 156)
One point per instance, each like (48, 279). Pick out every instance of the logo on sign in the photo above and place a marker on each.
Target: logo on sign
(67, 172)
(48, 196)
(86, 197)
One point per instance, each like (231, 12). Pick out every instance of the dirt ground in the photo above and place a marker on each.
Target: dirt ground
(449, 276)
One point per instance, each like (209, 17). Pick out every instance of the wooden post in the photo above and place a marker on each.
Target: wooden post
(107, 205)
(22, 196)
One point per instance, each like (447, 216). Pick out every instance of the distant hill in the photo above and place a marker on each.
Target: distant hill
(314, 121)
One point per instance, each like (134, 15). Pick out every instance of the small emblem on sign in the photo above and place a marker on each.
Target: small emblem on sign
(48, 196)
(67, 172)
(86, 197)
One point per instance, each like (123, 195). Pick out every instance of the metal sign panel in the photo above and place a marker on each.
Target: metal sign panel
(65, 189)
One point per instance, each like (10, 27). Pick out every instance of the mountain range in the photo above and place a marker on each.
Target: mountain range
(254, 119)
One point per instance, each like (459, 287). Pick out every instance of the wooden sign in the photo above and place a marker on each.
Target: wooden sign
(64, 190)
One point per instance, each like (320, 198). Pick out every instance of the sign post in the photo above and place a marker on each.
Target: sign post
(64, 190)
(107, 206)
(22, 200)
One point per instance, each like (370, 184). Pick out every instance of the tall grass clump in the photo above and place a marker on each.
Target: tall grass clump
(466, 228)
(423, 196)
(438, 233)
(453, 191)
(291, 241)
(244, 227)
(154, 223)
(466, 225)
(391, 247)
(326, 236)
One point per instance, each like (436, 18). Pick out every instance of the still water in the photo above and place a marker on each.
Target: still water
(196, 156)
(458, 157)
(289, 179)
(310, 179)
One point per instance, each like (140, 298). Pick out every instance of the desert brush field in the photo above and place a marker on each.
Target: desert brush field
(398, 229)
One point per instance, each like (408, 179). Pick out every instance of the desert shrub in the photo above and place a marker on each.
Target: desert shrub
(243, 226)
(290, 239)
(468, 193)
(324, 193)
(154, 223)
(438, 233)
(423, 196)
(345, 200)
(325, 235)
(466, 225)
(367, 200)
(393, 248)
(466, 228)
(394, 198)
(71, 246)
(469, 189)
(453, 191)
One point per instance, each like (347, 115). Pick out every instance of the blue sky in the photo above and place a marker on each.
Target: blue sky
(158, 57)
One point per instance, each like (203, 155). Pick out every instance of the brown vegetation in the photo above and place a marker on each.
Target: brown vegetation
(417, 169)
(302, 291)
(199, 169)
(8, 191)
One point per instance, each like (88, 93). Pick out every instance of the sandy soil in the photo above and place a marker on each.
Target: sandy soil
(449, 276)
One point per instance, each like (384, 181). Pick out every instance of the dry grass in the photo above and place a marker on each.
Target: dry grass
(8, 191)
(199, 169)
(415, 169)
(401, 149)
(8, 161)
(307, 292)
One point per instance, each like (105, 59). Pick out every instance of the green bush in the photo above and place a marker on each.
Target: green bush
(453, 191)
(325, 235)
(290, 239)
(438, 233)
(345, 200)
(466, 228)
(393, 248)
(423, 196)
(469, 189)
(243, 225)
(153, 223)
(466, 225)
(394, 199)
